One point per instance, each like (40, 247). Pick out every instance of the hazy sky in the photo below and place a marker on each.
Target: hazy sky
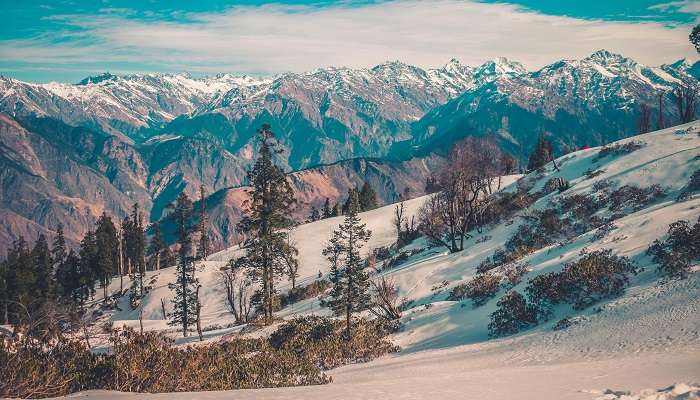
(66, 40)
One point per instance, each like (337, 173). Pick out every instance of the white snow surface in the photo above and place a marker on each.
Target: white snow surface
(648, 337)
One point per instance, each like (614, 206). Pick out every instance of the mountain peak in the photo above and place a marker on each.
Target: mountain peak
(105, 76)
(605, 57)
(500, 66)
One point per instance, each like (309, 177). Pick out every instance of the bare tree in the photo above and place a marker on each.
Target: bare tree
(644, 122)
(685, 96)
(238, 287)
(385, 299)
(469, 178)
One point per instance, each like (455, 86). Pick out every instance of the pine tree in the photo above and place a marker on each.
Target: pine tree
(135, 251)
(43, 267)
(368, 197)
(203, 250)
(314, 215)
(59, 252)
(107, 251)
(185, 302)
(68, 274)
(157, 246)
(541, 155)
(88, 266)
(351, 193)
(327, 211)
(336, 210)
(267, 220)
(20, 280)
(350, 292)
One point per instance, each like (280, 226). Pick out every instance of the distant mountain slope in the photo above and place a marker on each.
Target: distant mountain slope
(592, 101)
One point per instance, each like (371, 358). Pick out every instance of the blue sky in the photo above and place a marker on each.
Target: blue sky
(66, 40)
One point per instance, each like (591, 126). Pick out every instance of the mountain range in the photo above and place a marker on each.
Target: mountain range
(70, 151)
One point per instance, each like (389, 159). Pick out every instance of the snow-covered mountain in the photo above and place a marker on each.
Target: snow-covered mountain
(646, 337)
(332, 113)
(146, 138)
(591, 101)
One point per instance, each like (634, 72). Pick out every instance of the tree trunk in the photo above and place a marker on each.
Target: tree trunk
(162, 307)
(157, 260)
(199, 315)
(141, 318)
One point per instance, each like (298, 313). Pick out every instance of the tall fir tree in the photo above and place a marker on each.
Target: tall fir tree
(314, 215)
(541, 155)
(204, 247)
(350, 292)
(88, 266)
(368, 197)
(184, 303)
(267, 220)
(43, 271)
(157, 246)
(327, 211)
(135, 251)
(20, 280)
(107, 257)
(59, 252)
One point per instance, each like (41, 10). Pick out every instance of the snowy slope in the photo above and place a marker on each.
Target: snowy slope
(647, 338)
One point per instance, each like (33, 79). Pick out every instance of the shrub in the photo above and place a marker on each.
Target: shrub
(556, 184)
(480, 289)
(617, 149)
(300, 293)
(324, 341)
(692, 186)
(148, 362)
(595, 276)
(676, 254)
(633, 197)
(514, 272)
(513, 315)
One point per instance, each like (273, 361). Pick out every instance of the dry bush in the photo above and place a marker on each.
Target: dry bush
(300, 293)
(385, 299)
(617, 149)
(595, 276)
(676, 254)
(324, 341)
(513, 315)
(633, 197)
(480, 289)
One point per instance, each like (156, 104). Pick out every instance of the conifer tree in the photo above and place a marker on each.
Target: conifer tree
(314, 215)
(107, 251)
(157, 246)
(43, 267)
(541, 155)
(59, 252)
(135, 251)
(88, 266)
(68, 275)
(327, 211)
(203, 250)
(336, 210)
(185, 302)
(350, 292)
(267, 220)
(368, 197)
(20, 280)
(346, 206)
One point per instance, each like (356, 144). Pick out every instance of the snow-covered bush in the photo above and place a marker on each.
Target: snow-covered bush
(514, 272)
(634, 197)
(692, 186)
(480, 289)
(513, 315)
(676, 254)
(595, 276)
(556, 184)
(617, 149)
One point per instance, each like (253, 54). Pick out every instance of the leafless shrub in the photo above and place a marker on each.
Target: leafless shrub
(385, 299)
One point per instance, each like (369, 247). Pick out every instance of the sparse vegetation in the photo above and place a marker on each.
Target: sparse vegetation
(480, 289)
(618, 149)
(513, 315)
(675, 255)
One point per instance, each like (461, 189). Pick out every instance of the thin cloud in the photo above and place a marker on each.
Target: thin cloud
(278, 38)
